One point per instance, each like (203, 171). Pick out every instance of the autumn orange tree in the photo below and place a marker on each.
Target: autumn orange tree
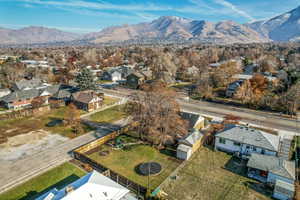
(157, 114)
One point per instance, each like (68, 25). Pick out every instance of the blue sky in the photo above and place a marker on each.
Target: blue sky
(84, 16)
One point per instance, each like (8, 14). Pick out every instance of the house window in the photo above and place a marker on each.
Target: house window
(254, 148)
(247, 147)
(222, 140)
(263, 151)
(236, 144)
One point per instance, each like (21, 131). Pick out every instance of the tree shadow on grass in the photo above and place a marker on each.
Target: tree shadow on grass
(259, 187)
(31, 195)
(236, 166)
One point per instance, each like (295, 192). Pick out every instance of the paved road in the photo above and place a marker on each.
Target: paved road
(17, 172)
(260, 118)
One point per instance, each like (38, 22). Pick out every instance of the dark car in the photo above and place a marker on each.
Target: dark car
(55, 122)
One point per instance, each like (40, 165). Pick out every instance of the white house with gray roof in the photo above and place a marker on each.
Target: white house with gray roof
(93, 186)
(268, 169)
(245, 140)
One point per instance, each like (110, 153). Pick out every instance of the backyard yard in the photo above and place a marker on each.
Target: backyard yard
(58, 178)
(109, 115)
(13, 127)
(125, 161)
(213, 175)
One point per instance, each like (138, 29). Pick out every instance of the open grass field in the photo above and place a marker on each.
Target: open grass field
(24, 125)
(213, 175)
(109, 115)
(125, 161)
(57, 177)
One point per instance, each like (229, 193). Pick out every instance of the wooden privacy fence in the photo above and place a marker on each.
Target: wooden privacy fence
(80, 154)
(131, 185)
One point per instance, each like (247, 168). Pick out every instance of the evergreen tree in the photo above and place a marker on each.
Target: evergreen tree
(85, 80)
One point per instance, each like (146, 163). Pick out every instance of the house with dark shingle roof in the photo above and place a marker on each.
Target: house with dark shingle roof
(23, 98)
(87, 100)
(245, 140)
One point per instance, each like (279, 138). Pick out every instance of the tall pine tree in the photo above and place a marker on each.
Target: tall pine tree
(85, 80)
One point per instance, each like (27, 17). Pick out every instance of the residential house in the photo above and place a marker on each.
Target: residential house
(244, 141)
(87, 100)
(250, 69)
(134, 80)
(233, 87)
(4, 92)
(283, 190)
(93, 186)
(64, 93)
(269, 169)
(25, 84)
(23, 98)
(112, 75)
(191, 143)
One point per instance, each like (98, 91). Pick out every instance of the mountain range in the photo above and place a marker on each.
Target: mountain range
(282, 28)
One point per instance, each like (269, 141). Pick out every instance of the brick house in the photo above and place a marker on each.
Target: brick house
(87, 100)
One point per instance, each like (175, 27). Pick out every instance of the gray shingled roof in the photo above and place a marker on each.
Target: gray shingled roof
(250, 136)
(22, 84)
(192, 138)
(190, 117)
(28, 94)
(20, 95)
(52, 89)
(272, 164)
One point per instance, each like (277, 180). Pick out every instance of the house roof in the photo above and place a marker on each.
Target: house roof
(84, 96)
(246, 135)
(191, 138)
(93, 186)
(236, 84)
(192, 118)
(23, 84)
(28, 94)
(184, 148)
(272, 164)
(20, 95)
(64, 91)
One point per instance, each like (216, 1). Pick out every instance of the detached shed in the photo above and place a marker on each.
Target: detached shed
(189, 145)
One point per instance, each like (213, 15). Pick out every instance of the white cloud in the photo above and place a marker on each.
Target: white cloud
(235, 9)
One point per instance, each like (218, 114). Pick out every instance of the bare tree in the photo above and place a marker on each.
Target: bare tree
(157, 114)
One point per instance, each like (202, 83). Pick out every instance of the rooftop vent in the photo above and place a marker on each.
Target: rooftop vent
(69, 189)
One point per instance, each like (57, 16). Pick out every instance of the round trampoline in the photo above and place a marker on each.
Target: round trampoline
(149, 168)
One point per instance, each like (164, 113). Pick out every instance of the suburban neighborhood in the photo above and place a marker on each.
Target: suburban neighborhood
(181, 100)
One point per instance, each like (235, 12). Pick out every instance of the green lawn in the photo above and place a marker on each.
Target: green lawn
(3, 109)
(210, 175)
(109, 115)
(109, 100)
(27, 124)
(125, 161)
(54, 178)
